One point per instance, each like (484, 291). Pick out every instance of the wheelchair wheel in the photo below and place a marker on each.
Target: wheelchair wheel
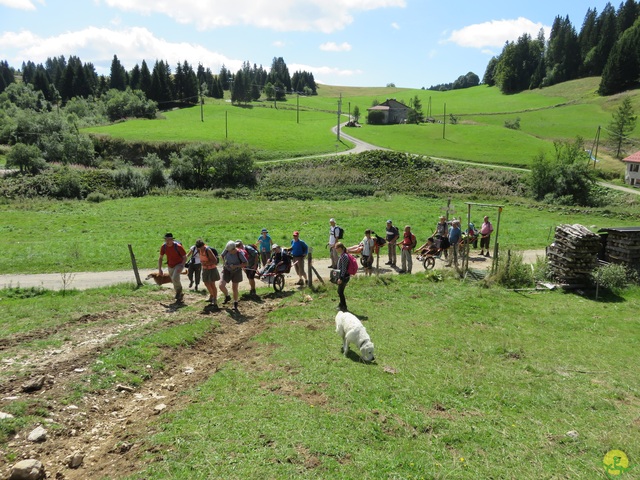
(429, 263)
(278, 282)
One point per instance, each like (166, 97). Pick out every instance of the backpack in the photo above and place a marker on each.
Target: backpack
(338, 232)
(252, 254)
(163, 249)
(380, 241)
(352, 268)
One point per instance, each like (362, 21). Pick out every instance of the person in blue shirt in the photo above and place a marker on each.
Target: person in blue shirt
(264, 246)
(455, 235)
(299, 251)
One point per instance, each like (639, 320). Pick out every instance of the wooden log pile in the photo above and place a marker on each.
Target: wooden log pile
(574, 254)
(623, 247)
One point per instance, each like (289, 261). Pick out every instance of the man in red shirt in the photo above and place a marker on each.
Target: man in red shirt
(176, 258)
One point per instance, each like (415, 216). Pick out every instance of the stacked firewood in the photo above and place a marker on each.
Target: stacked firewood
(574, 254)
(623, 247)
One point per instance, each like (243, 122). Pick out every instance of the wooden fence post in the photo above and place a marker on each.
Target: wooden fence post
(135, 266)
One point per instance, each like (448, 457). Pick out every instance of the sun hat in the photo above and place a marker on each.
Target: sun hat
(275, 245)
(231, 245)
(389, 221)
(296, 233)
(168, 235)
(264, 230)
(332, 219)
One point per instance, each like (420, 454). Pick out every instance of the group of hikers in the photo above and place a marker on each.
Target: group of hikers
(202, 262)
(263, 259)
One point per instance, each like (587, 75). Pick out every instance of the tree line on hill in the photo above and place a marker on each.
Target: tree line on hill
(607, 45)
(60, 79)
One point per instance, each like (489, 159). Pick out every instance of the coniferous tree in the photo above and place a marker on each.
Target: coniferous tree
(588, 39)
(280, 73)
(489, 73)
(118, 79)
(627, 15)
(7, 76)
(622, 70)
(134, 78)
(145, 79)
(607, 36)
(622, 125)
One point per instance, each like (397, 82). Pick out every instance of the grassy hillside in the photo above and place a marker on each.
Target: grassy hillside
(561, 112)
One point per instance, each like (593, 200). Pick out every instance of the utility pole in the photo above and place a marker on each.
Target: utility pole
(444, 120)
(339, 114)
(298, 107)
(596, 141)
(349, 112)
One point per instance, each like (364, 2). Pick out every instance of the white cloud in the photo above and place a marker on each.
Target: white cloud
(278, 43)
(98, 44)
(334, 47)
(395, 26)
(281, 15)
(18, 4)
(495, 33)
(324, 71)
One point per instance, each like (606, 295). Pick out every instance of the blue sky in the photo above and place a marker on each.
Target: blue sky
(411, 43)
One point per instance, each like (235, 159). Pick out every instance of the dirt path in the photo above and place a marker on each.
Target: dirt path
(109, 427)
(86, 280)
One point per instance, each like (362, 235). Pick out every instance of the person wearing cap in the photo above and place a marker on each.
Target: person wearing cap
(333, 238)
(251, 254)
(176, 258)
(234, 262)
(299, 251)
(264, 246)
(279, 262)
(392, 238)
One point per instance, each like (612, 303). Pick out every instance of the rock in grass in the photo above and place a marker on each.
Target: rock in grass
(33, 385)
(5, 415)
(74, 460)
(38, 434)
(27, 470)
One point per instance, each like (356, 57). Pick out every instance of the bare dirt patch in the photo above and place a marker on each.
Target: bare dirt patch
(107, 427)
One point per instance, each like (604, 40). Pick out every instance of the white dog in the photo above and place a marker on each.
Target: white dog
(352, 331)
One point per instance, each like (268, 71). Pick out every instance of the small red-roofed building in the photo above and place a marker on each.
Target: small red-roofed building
(632, 173)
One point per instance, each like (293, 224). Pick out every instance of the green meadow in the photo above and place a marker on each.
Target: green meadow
(469, 382)
(47, 236)
(561, 112)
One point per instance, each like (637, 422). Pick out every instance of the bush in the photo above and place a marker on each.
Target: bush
(513, 124)
(513, 272)
(27, 158)
(97, 197)
(68, 184)
(614, 277)
(131, 181)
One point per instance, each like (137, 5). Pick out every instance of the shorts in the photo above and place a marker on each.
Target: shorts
(210, 275)
(234, 276)
(251, 271)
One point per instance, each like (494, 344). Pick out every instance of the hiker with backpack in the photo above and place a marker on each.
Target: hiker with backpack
(234, 262)
(194, 267)
(299, 251)
(345, 266)
(176, 258)
(210, 275)
(408, 244)
(251, 254)
(335, 233)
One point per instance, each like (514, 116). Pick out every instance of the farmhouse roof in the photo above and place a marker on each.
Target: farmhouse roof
(633, 158)
(390, 103)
